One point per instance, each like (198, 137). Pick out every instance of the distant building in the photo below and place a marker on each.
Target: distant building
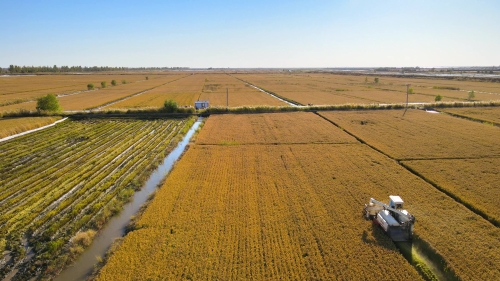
(201, 104)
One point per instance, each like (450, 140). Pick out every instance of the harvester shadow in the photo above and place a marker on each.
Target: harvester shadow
(428, 264)
(378, 238)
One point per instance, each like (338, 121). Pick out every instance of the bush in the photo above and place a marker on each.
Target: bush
(411, 91)
(376, 79)
(48, 103)
(170, 106)
(113, 82)
(90, 86)
(438, 98)
(124, 81)
(103, 84)
(147, 77)
(471, 95)
(83, 239)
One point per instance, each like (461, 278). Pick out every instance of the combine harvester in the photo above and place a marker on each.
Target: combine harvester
(395, 221)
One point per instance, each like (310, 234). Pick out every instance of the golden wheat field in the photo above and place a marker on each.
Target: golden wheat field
(487, 114)
(273, 128)
(185, 91)
(14, 126)
(419, 134)
(282, 207)
(222, 90)
(91, 99)
(28, 87)
(473, 181)
(323, 89)
(250, 212)
(101, 97)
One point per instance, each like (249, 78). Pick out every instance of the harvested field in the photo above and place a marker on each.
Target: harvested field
(72, 178)
(12, 126)
(487, 114)
(297, 127)
(473, 181)
(420, 135)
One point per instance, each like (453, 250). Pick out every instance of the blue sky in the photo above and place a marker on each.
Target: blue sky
(250, 33)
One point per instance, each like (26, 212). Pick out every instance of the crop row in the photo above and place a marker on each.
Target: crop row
(72, 177)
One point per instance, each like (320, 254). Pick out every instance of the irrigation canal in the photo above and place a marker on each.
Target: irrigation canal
(83, 266)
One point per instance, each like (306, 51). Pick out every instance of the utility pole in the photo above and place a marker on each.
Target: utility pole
(407, 90)
(227, 99)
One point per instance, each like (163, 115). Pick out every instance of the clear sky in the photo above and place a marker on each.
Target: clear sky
(250, 33)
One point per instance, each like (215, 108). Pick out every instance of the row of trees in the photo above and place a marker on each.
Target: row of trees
(55, 68)
(104, 84)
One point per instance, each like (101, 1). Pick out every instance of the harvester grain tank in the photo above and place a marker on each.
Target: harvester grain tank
(393, 219)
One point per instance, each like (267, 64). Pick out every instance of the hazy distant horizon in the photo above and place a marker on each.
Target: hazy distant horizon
(253, 34)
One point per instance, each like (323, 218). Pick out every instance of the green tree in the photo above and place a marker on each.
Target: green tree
(411, 91)
(113, 82)
(48, 103)
(472, 95)
(103, 84)
(90, 86)
(124, 81)
(366, 79)
(170, 106)
(376, 79)
(438, 98)
(147, 77)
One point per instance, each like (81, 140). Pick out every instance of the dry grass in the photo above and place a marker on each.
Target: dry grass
(12, 126)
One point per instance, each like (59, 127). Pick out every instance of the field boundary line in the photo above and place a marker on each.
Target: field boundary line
(447, 158)
(473, 119)
(277, 143)
(32, 131)
(475, 210)
(399, 162)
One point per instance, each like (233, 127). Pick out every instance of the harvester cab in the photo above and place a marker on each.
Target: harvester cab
(394, 220)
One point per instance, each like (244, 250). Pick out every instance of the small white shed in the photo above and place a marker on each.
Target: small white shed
(201, 104)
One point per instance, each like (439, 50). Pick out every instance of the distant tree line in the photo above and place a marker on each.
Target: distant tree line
(55, 68)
